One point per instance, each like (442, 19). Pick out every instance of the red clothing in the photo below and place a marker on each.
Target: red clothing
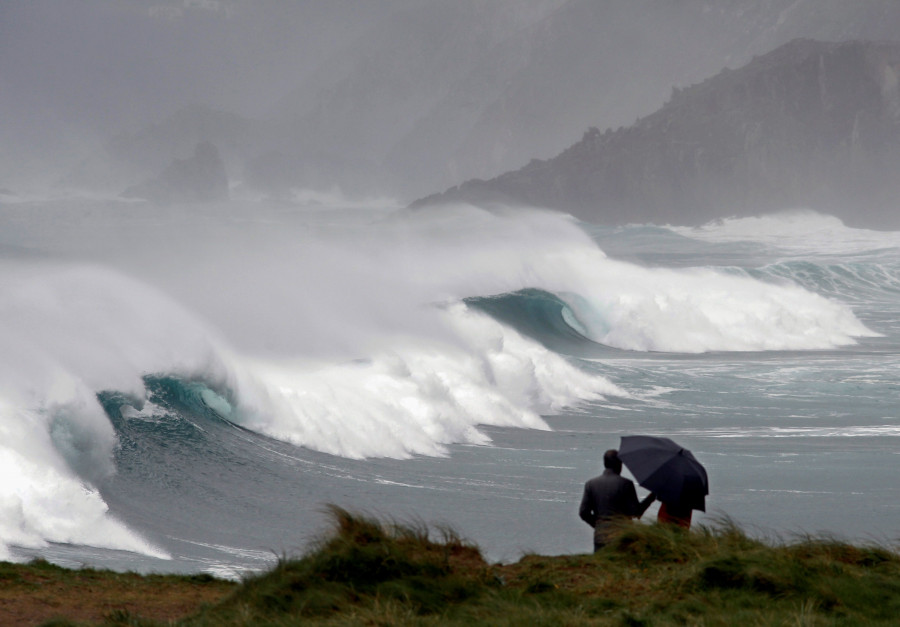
(675, 516)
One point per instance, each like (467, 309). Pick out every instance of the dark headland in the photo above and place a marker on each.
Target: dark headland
(809, 125)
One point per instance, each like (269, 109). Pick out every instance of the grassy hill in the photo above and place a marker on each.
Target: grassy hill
(368, 572)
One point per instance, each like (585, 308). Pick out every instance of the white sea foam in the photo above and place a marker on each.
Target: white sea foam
(148, 411)
(67, 332)
(803, 232)
(419, 396)
(861, 431)
(699, 310)
(42, 500)
(348, 337)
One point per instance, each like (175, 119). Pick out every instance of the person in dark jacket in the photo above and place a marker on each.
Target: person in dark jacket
(610, 497)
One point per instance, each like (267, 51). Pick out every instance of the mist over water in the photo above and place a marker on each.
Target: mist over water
(356, 358)
(374, 333)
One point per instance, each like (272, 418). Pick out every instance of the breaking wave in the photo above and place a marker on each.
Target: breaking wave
(388, 337)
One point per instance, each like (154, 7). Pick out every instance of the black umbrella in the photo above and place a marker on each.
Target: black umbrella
(667, 469)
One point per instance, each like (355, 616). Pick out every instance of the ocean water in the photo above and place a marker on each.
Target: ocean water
(184, 389)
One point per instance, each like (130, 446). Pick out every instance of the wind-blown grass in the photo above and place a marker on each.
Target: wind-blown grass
(371, 572)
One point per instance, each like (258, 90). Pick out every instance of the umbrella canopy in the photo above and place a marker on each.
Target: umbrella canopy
(667, 469)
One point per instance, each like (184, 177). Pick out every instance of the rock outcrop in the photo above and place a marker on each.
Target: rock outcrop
(810, 124)
(200, 178)
(129, 159)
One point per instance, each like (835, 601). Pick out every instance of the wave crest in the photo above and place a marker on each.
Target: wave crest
(418, 397)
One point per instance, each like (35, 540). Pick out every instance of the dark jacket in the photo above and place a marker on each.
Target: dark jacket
(609, 496)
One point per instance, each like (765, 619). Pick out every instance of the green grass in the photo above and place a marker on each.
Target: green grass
(371, 572)
(375, 573)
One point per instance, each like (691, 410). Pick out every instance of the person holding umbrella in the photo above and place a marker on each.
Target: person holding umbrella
(671, 472)
(609, 499)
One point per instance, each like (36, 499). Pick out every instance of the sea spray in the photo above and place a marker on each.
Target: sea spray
(41, 499)
(66, 333)
(799, 232)
(420, 395)
(699, 310)
(346, 336)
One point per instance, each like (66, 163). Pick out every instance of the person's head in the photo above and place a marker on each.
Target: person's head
(611, 460)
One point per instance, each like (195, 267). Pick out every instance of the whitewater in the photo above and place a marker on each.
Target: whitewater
(183, 389)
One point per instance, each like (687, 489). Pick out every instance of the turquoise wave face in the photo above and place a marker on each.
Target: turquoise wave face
(195, 483)
(537, 313)
(169, 398)
(545, 317)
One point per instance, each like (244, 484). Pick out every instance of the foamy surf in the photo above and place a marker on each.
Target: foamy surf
(802, 232)
(41, 499)
(348, 338)
(700, 310)
(67, 332)
(420, 396)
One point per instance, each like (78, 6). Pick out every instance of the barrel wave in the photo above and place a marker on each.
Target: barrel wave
(543, 316)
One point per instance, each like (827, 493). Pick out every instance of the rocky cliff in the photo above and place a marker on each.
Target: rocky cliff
(810, 124)
(448, 91)
(387, 97)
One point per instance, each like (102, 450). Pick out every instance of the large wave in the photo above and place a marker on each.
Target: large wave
(346, 333)
(67, 332)
(817, 252)
(702, 309)
(543, 316)
(71, 332)
(420, 395)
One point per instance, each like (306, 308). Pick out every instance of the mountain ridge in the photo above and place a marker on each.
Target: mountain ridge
(810, 124)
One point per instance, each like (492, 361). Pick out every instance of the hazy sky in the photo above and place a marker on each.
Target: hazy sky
(76, 71)
(414, 93)
(125, 60)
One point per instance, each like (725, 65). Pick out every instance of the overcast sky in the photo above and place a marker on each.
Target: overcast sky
(433, 91)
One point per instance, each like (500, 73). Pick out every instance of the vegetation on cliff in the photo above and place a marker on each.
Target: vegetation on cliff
(368, 572)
